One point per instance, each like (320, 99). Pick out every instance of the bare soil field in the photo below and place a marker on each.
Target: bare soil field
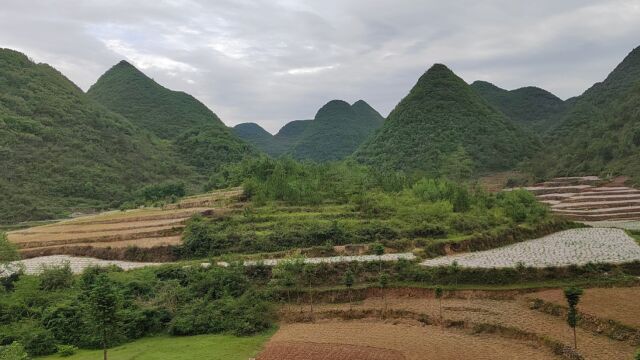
(512, 313)
(374, 339)
(619, 304)
(143, 228)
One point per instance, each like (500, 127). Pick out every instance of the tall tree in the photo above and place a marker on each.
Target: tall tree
(573, 295)
(103, 304)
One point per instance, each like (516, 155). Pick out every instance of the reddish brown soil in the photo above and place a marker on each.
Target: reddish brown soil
(337, 340)
(283, 350)
(514, 314)
(619, 304)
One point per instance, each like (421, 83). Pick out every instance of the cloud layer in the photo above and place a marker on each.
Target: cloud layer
(273, 61)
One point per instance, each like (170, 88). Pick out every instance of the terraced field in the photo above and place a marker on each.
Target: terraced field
(464, 316)
(142, 228)
(589, 198)
(569, 247)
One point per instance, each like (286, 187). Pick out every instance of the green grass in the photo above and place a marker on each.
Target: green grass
(200, 347)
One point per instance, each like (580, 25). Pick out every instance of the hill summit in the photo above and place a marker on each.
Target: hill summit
(441, 116)
(335, 132)
(201, 138)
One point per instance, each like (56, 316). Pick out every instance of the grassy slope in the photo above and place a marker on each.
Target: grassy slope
(530, 107)
(60, 150)
(440, 114)
(202, 140)
(199, 347)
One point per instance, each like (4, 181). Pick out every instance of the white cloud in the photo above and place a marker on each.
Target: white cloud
(147, 61)
(272, 61)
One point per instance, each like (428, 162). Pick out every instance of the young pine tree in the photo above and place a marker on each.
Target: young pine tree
(349, 280)
(573, 295)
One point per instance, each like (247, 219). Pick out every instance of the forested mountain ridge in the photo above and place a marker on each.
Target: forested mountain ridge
(60, 150)
(600, 132)
(442, 116)
(132, 94)
(336, 131)
(531, 107)
(201, 138)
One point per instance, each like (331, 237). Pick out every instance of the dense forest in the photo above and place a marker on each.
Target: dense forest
(531, 107)
(60, 150)
(336, 131)
(441, 115)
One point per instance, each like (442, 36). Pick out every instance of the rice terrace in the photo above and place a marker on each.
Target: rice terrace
(444, 217)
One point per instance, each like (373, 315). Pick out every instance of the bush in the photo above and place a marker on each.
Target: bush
(39, 342)
(66, 350)
(14, 351)
(56, 277)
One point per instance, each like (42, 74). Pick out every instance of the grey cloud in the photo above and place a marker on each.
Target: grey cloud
(274, 61)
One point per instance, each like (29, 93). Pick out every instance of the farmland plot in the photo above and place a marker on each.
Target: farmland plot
(512, 313)
(569, 247)
(142, 228)
(373, 340)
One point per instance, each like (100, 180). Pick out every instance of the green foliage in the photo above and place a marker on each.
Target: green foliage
(336, 131)
(66, 350)
(522, 206)
(311, 205)
(60, 150)
(102, 304)
(56, 277)
(438, 292)
(8, 251)
(13, 351)
(457, 166)
(39, 342)
(383, 280)
(440, 115)
(349, 278)
(378, 249)
(572, 295)
(530, 107)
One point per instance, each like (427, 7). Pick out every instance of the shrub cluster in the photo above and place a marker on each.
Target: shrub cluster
(172, 299)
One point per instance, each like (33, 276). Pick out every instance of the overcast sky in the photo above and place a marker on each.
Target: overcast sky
(274, 61)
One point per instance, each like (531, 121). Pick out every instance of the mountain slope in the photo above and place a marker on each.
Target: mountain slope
(260, 138)
(600, 133)
(441, 115)
(530, 107)
(201, 138)
(61, 150)
(336, 131)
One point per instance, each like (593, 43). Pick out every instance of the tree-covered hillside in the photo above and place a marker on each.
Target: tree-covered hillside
(600, 132)
(530, 107)
(260, 138)
(132, 94)
(202, 139)
(336, 131)
(60, 150)
(443, 118)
